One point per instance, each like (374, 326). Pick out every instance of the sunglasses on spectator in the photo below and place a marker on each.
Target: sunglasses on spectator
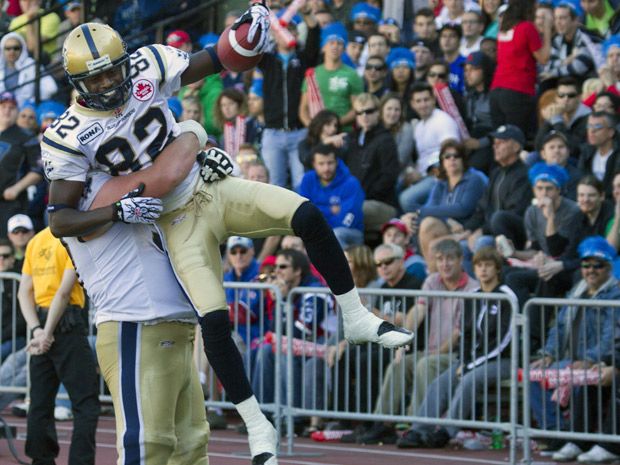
(6, 255)
(365, 22)
(375, 67)
(282, 266)
(438, 75)
(10, 48)
(266, 277)
(596, 126)
(569, 95)
(594, 266)
(367, 111)
(450, 155)
(386, 261)
(238, 251)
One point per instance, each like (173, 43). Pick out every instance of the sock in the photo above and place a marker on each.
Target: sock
(224, 356)
(351, 305)
(251, 414)
(323, 248)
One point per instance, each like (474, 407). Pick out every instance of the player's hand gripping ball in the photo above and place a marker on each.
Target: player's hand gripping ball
(241, 45)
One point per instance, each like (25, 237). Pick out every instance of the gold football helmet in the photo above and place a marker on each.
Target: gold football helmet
(91, 49)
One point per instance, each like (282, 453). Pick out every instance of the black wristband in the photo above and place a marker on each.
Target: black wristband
(117, 211)
(217, 64)
(34, 329)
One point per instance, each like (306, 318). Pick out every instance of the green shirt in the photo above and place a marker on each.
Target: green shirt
(337, 87)
(208, 95)
(49, 29)
(601, 25)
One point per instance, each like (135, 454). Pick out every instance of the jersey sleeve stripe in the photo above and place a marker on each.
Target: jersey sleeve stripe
(160, 62)
(56, 145)
(89, 40)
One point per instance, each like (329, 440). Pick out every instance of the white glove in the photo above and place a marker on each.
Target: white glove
(215, 164)
(134, 209)
(258, 16)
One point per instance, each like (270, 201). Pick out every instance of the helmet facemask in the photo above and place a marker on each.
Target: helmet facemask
(109, 99)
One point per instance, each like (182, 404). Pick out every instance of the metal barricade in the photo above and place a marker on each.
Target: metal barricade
(14, 374)
(584, 400)
(255, 319)
(350, 388)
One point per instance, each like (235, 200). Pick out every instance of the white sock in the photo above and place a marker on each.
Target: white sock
(351, 305)
(250, 413)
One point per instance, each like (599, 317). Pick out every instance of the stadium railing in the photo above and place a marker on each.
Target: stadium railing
(585, 401)
(304, 385)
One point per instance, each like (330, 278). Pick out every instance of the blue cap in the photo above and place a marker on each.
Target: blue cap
(208, 39)
(555, 174)
(49, 109)
(175, 106)
(363, 10)
(71, 5)
(613, 41)
(334, 31)
(509, 131)
(28, 104)
(596, 247)
(573, 5)
(390, 22)
(357, 37)
(296, 19)
(256, 88)
(400, 56)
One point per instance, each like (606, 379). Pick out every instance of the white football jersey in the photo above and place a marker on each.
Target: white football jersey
(126, 271)
(129, 138)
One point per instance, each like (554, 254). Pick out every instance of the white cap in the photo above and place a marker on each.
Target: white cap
(238, 241)
(19, 221)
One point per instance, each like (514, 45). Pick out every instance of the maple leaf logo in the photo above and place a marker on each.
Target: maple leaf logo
(143, 89)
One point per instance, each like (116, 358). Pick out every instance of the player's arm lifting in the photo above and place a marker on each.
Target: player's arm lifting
(68, 221)
(201, 64)
(167, 171)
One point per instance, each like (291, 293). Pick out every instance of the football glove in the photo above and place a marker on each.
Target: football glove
(215, 164)
(135, 209)
(258, 16)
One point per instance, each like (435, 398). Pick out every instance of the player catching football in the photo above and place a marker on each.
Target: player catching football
(119, 125)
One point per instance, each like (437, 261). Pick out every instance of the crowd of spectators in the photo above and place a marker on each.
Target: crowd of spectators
(451, 145)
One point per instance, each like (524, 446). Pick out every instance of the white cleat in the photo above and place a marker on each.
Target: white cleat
(263, 444)
(371, 328)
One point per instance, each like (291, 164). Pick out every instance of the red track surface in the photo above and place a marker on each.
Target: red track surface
(230, 448)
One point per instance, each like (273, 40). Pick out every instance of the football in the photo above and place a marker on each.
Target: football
(235, 51)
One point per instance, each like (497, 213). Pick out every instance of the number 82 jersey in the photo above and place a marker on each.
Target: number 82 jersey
(123, 140)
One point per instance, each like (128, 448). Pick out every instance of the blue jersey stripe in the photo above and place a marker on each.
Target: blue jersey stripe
(160, 62)
(58, 146)
(90, 41)
(128, 375)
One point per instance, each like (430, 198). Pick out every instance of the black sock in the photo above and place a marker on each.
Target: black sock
(323, 248)
(224, 356)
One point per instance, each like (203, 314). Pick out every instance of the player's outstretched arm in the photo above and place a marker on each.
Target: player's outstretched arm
(167, 171)
(206, 61)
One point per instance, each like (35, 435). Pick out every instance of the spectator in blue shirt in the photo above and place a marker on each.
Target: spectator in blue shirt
(337, 193)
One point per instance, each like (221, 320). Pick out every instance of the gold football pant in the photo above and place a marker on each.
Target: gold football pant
(230, 207)
(158, 400)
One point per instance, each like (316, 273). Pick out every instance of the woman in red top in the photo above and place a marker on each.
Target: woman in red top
(519, 48)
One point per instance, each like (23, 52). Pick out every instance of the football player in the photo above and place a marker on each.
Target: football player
(119, 125)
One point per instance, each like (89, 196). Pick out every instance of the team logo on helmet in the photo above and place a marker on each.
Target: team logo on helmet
(143, 90)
